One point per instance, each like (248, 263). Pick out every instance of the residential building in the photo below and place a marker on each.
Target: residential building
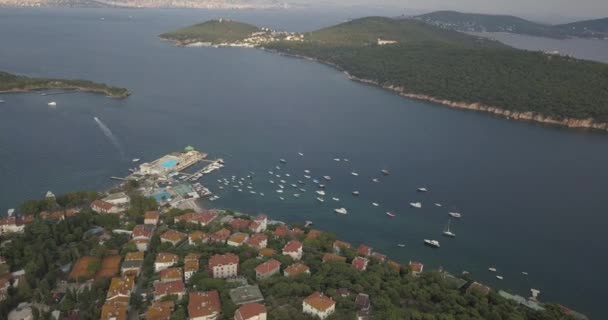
(380, 257)
(239, 224)
(246, 294)
(105, 207)
(293, 249)
(295, 232)
(224, 265)
(172, 236)
(318, 305)
(170, 275)
(313, 234)
(416, 268)
(113, 311)
(281, 231)
(250, 311)
(12, 224)
(142, 231)
(360, 263)
(364, 250)
(174, 288)
(197, 237)
(267, 269)
(160, 310)
(120, 199)
(363, 306)
(204, 305)
(338, 245)
(220, 236)
(134, 256)
(164, 260)
(261, 223)
(151, 217)
(478, 287)
(237, 239)
(131, 267)
(394, 265)
(296, 269)
(120, 290)
(200, 218)
(333, 257)
(258, 241)
(267, 252)
(141, 244)
(191, 265)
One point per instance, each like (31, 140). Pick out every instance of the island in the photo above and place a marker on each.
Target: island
(422, 61)
(18, 83)
(477, 22)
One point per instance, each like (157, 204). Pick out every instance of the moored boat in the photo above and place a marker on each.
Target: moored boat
(432, 243)
(455, 215)
(422, 189)
(355, 193)
(385, 172)
(416, 205)
(341, 211)
(390, 214)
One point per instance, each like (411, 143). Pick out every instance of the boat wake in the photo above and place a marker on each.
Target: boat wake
(108, 133)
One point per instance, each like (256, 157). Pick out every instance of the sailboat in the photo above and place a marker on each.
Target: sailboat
(447, 232)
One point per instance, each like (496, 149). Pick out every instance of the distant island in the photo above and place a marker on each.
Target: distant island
(476, 22)
(426, 62)
(198, 4)
(18, 83)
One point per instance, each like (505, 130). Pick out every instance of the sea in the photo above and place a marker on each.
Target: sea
(532, 197)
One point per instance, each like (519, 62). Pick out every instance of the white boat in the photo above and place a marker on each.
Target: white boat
(308, 223)
(375, 180)
(287, 175)
(261, 193)
(355, 193)
(437, 204)
(270, 172)
(416, 205)
(277, 167)
(240, 190)
(335, 199)
(492, 269)
(136, 160)
(327, 178)
(300, 154)
(300, 182)
(277, 175)
(282, 187)
(271, 181)
(422, 189)
(375, 204)
(384, 172)
(52, 103)
(447, 232)
(524, 273)
(1, 101)
(432, 243)
(282, 160)
(499, 277)
(252, 192)
(320, 199)
(297, 195)
(345, 160)
(306, 171)
(401, 245)
(322, 186)
(337, 159)
(315, 181)
(294, 186)
(455, 215)
(354, 174)
(279, 190)
(321, 192)
(302, 189)
(341, 211)
(283, 181)
(307, 177)
(281, 198)
(390, 214)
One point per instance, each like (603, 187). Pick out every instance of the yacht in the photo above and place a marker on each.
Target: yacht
(282, 187)
(437, 204)
(302, 189)
(322, 186)
(320, 199)
(327, 178)
(499, 277)
(300, 182)
(447, 232)
(341, 211)
(492, 269)
(390, 214)
(136, 160)
(270, 172)
(335, 199)
(271, 181)
(354, 174)
(422, 190)
(337, 159)
(306, 171)
(279, 190)
(375, 204)
(345, 160)
(455, 215)
(297, 195)
(307, 177)
(262, 194)
(52, 103)
(300, 154)
(287, 175)
(384, 172)
(355, 193)
(293, 185)
(283, 181)
(282, 160)
(375, 180)
(416, 205)
(321, 192)
(431, 243)
(315, 181)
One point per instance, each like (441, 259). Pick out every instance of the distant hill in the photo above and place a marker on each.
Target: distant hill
(476, 22)
(213, 31)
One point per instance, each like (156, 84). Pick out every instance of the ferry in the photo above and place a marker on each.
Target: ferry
(455, 215)
(422, 190)
(384, 172)
(355, 193)
(354, 174)
(432, 243)
(341, 211)
(375, 204)
(320, 199)
(321, 192)
(390, 214)
(416, 205)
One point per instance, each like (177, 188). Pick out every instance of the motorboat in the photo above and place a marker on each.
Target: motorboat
(320, 192)
(327, 178)
(341, 211)
(432, 243)
(417, 205)
(354, 174)
(422, 189)
(385, 172)
(375, 204)
(455, 215)
(355, 193)
(320, 199)
(390, 214)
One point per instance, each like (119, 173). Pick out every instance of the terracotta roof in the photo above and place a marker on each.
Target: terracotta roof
(142, 231)
(198, 217)
(249, 310)
(266, 252)
(151, 215)
(171, 287)
(379, 256)
(239, 223)
(238, 237)
(261, 217)
(319, 301)
(223, 259)
(296, 269)
(333, 257)
(191, 265)
(165, 257)
(113, 311)
(221, 235)
(281, 231)
(416, 266)
(268, 266)
(256, 239)
(173, 235)
(110, 265)
(254, 225)
(192, 257)
(295, 232)
(102, 205)
(160, 310)
(203, 303)
(170, 274)
(134, 256)
(121, 286)
(313, 234)
(476, 286)
(292, 246)
(364, 250)
(341, 244)
(195, 236)
(360, 263)
(395, 265)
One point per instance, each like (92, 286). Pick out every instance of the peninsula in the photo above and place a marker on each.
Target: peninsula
(422, 61)
(17, 83)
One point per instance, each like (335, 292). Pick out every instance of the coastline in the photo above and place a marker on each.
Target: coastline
(528, 116)
(74, 88)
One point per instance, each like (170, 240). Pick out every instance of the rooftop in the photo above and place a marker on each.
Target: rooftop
(223, 259)
(171, 287)
(203, 304)
(249, 310)
(296, 269)
(292, 246)
(246, 294)
(268, 266)
(319, 301)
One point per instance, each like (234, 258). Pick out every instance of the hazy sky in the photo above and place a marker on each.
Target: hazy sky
(532, 8)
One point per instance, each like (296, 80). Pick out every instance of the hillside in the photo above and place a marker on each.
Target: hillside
(213, 31)
(473, 22)
(17, 83)
(597, 28)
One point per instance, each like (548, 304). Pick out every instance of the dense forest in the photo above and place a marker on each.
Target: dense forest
(10, 82)
(212, 31)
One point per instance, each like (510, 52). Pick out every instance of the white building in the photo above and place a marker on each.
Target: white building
(224, 265)
(318, 305)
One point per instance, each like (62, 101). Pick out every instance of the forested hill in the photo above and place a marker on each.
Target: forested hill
(212, 31)
(475, 22)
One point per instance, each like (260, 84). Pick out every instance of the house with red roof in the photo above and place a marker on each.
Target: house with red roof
(250, 311)
(151, 217)
(165, 260)
(174, 288)
(313, 234)
(281, 231)
(360, 263)
(170, 275)
(416, 268)
(220, 236)
(239, 224)
(296, 269)
(224, 265)
(293, 249)
(204, 305)
(104, 207)
(267, 269)
(142, 231)
(338, 245)
(258, 241)
(379, 256)
(237, 239)
(197, 237)
(318, 305)
(364, 250)
(173, 237)
(333, 257)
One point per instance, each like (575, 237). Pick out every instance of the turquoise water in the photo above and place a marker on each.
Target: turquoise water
(532, 197)
(169, 164)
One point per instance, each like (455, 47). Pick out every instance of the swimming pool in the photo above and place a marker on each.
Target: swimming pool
(169, 164)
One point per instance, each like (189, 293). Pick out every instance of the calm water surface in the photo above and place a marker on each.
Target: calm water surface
(533, 198)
